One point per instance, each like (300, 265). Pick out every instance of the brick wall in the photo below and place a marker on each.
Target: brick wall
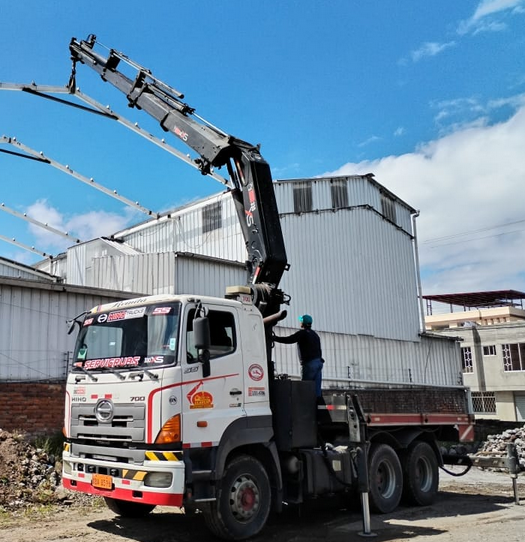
(37, 408)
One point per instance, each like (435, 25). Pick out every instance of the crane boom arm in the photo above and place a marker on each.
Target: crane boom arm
(250, 174)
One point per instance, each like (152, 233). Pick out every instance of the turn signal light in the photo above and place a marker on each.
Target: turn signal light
(170, 431)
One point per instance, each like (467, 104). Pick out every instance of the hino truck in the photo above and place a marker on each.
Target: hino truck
(173, 400)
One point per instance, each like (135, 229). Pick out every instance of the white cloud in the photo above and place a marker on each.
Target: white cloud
(84, 226)
(430, 48)
(462, 113)
(399, 131)
(368, 141)
(467, 180)
(489, 7)
(488, 16)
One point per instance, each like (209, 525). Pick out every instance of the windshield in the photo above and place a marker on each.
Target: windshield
(140, 336)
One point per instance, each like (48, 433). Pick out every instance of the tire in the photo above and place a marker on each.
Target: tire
(128, 509)
(420, 474)
(243, 500)
(386, 479)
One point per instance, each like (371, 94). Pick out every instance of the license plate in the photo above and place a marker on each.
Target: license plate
(102, 481)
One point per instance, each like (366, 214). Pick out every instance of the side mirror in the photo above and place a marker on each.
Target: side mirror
(71, 327)
(201, 337)
(201, 333)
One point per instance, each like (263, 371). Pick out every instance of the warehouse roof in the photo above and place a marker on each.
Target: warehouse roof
(475, 300)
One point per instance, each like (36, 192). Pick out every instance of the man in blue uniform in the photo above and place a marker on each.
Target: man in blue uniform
(309, 348)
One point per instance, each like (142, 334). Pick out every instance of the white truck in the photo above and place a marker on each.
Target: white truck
(173, 400)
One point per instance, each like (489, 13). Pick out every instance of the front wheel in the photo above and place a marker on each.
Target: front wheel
(243, 500)
(386, 478)
(128, 509)
(421, 475)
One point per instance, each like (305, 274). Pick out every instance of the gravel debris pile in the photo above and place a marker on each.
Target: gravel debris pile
(497, 444)
(28, 475)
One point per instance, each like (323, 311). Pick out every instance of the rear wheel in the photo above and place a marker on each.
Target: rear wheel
(421, 475)
(243, 500)
(386, 478)
(128, 509)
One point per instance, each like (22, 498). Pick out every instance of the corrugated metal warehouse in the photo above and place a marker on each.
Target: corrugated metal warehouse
(352, 249)
(34, 316)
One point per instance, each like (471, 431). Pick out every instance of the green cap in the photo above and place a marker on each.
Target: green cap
(306, 319)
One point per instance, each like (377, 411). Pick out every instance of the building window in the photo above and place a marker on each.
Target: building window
(489, 350)
(466, 354)
(302, 199)
(388, 207)
(339, 191)
(212, 217)
(484, 402)
(514, 357)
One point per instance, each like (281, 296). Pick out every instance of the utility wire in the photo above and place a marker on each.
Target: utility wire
(460, 234)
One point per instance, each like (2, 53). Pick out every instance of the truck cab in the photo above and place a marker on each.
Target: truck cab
(151, 397)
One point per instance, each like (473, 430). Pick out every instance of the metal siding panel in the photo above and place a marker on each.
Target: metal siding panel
(366, 360)
(195, 276)
(17, 272)
(369, 285)
(33, 345)
(76, 264)
(184, 231)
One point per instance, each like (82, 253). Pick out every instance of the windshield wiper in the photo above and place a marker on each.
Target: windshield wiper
(153, 376)
(85, 371)
(115, 372)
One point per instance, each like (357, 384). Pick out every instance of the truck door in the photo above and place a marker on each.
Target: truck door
(210, 404)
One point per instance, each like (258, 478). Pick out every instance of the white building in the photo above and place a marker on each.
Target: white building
(491, 326)
(352, 248)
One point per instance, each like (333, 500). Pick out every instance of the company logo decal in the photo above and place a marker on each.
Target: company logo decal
(199, 399)
(256, 372)
(154, 359)
(130, 361)
(161, 310)
(104, 410)
(88, 321)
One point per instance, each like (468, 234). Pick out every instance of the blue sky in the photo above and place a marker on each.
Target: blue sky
(430, 96)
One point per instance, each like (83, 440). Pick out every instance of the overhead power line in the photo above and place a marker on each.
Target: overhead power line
(473, 232)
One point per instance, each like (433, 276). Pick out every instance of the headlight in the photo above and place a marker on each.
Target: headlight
(158, 479)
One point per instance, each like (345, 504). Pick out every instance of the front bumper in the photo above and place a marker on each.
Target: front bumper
(127, 482)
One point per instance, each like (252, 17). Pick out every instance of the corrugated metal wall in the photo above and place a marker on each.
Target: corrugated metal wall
(183, 232)
(363, 360)
(361, 191)
(353, 272)
(34, 344)
(351, 267)
(13, 270)
(207, 277)
(166, 273)
(80, 258)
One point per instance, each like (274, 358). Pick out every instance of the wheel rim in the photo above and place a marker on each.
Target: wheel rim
(244, 498)
(424, 476)
(385, 479)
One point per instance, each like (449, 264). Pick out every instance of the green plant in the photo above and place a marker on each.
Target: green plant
(51, 444)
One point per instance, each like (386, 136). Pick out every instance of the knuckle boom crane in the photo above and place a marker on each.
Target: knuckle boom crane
(250, 174)
(169, 401)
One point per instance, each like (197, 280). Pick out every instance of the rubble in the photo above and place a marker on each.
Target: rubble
(497, 444)
(28, 475)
